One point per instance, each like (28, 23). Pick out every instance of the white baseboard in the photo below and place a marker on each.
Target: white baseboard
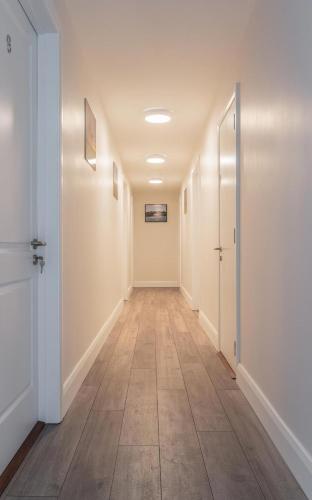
(156, 284)
(186, 295)
(292, 450)
(209, 328)
(129, 292)
(73, 383)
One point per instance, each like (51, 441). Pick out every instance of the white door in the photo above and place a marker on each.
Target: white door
(227, 164)
(125, 241)
(195, 209)
(18, 275)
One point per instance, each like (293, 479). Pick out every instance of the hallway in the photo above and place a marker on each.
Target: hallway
(158, 417)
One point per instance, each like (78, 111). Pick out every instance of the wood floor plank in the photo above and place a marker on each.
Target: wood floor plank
(142, 388)
(206, 407)
(183, 474)
(144, 355)
(186, 348)
(91, 473)
(137, 474)
(229, 472)
(169, 375)
(96, 374)
(46, 466)
(30, 498)
(220, 376)
(113, 392)
(140, 424)
(273, 475)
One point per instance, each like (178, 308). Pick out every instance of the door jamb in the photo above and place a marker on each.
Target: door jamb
(195, 224)
(235, 96)
(46, 25)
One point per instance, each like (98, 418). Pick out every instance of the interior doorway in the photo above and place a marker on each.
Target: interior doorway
(229, 232)
(195, 208)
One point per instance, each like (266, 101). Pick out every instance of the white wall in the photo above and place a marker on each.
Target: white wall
(156, 245)
(92, 221)
(275, 71)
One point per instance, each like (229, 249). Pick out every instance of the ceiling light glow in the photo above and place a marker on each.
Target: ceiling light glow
(157, 115)
(155, 181)
(156, 159)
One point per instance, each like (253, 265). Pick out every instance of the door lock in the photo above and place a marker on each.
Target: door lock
(35, 243)
(38, 259)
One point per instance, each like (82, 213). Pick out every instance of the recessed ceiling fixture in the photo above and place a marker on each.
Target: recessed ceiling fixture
(157, 115)
(156, 159)
(155, 181)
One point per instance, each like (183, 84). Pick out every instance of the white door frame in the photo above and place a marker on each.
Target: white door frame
(125, 239)
(49, 209)
(235, 97)
(195, 224)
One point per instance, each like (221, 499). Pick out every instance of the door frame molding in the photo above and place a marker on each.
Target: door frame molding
(49, 193)
(235, 97)
(195, 228)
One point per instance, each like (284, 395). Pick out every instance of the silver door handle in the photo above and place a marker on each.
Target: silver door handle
(35, 243)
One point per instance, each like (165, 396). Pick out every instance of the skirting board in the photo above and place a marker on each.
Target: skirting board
(156, 284)
(208, 327)
(186, 295)
(292, 450)
(130, 289)
(73, 382)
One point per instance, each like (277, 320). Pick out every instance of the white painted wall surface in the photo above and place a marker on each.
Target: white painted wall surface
(156, 244)
(275, 71)
(91, 220)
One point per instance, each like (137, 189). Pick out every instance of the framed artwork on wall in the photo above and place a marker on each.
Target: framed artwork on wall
(115, 180)
(156, 212)
(185, 200)
(90, 136)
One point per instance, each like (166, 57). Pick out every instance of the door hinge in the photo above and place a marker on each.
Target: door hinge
(234, 121)
(234, 235)
(234, 347)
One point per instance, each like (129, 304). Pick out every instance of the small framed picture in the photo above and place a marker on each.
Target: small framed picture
(90, 136)
(156, 212)
(185, 200)
(115, 181)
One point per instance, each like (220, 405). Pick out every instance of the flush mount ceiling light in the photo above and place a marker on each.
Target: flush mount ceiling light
(155, 181)
(157, 115)
(156, 159)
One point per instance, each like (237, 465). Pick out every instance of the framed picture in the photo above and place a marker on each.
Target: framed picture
(185, 200)
(90, 135)
(115, 181)
(156, 212)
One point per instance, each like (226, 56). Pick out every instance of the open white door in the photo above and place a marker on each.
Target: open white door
(195, 208)
(228, 234)
(18, 274)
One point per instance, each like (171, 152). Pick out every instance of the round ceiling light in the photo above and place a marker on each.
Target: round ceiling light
(155, 181)
(157, 115)
(156, 159)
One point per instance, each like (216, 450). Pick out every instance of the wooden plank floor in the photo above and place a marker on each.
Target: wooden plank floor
(157, 418)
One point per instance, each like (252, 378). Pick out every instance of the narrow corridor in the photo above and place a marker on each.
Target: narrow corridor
(158, 416)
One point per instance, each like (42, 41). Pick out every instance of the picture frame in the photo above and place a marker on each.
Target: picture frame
(156, 212)
(89, 135)
(115, 181)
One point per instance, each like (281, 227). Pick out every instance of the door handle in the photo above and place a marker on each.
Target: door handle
(218, 248)
(35, 243)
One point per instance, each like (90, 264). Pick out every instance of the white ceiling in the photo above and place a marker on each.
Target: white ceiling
(158, 53)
